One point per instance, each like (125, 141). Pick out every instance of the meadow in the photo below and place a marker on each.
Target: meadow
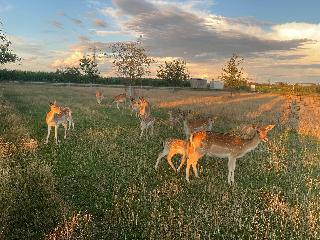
(100, 183)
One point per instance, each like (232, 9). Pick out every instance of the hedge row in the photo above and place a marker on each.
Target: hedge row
(52, 77)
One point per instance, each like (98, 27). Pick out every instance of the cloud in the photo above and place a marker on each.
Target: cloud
(206, 40)
(170, 30)
(82, 38)
(135, 7)
(99, 23)
(77, 21)
(57, 24)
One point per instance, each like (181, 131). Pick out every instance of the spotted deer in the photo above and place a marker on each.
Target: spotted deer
(172, 147)
(222, 145)
(99, 96)
(195, 125)
(120, 99)
(58, 116)
(146, 123)
(176, 116)
(144, 108)
(134, 105)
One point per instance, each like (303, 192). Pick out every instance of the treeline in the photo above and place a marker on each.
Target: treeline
(285, 88)
(55, 77)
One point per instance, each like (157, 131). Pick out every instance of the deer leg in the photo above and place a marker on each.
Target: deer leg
(48, 135)
(118, 106)
(65, 130)
(56, 133)
(188, 169)
(231, 168)
(169, 159)
(161, 155)
(183, 160)
(195, 170)
(152, 128)
(142, 129)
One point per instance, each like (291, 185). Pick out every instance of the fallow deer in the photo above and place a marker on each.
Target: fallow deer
(134, 105)
(56, 117)
(172, 147)
(176, 116)
(144, 108)
(146, 123)
(195, 125)
(121, 98)
(222, 145)
(99, 96)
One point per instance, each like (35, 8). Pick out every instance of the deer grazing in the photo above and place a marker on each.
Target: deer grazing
(99, 96)
(172, 147)
(222, 145)
(195, 125)
(58, 116)
(120, 99)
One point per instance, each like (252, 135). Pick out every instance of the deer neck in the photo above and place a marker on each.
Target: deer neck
(49, 117)
(251, 144)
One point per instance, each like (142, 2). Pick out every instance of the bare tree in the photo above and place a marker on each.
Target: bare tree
(232, 73)
(130, 60)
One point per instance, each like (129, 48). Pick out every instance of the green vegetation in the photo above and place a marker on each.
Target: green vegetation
(58, 77)
(232, 74)
(105, 170)
(175, 72)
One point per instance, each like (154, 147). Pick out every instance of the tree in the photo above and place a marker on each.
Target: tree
(232, 74)
(89, 67)
(175, 72)
(130, 60)
(6, 54)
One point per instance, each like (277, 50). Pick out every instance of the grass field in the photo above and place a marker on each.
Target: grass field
(100, 183)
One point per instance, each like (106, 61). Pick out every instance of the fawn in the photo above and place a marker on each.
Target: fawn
(172, 147)
(146, 123)
(222, 145)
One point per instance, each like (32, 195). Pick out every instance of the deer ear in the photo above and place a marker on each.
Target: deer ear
(55, 102)
(269, 127)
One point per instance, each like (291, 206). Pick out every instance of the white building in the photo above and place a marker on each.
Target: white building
(198, 83)
(216, 85)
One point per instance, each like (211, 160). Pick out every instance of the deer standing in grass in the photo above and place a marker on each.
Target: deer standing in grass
(58, 116)
(146, 122)
(172, 147)
(135, 106)
(120, 99)
(222, 145)
(195, 125)
(99, 96)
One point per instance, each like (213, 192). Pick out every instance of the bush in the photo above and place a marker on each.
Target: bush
(29, 203)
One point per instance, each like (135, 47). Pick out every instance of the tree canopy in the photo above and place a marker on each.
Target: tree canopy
(232, 73)
(6, 53)
(175, 72)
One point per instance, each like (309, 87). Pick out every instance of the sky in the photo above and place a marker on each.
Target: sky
(279, 40)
